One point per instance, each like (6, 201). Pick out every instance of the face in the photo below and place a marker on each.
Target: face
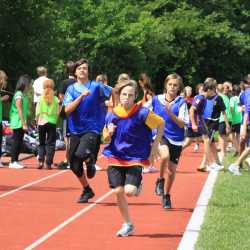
(172, 87)
(188, 92)
(211, 92)
(127, 97)
(82, 72)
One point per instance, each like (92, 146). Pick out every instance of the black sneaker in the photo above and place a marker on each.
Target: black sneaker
(63, 165)
(91, 170)
(159, 186)
(166, 201)
(86, 195)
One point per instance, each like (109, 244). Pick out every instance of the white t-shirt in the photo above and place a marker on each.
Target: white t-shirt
(38, 87)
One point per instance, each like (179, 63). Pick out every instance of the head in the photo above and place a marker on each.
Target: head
(246, 81)
(102, 78)
(3, 79)
(145, 82)
(127, 92)
(242, 86)
(48, 90)
(199, 88)
(187, 91)
(42, 71)
(82, 70)
(227, 88)
(70, 68)
(23, 83)
(173, 85)
(123, 76)
(210, 86)
(220, 88)
(236, 90)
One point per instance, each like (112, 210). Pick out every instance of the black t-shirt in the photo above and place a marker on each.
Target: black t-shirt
(218, 107)
(65, 84)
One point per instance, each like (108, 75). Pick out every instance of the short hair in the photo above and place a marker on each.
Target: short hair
(70, 68)
(124, 83)
(23, 82)
(102, 78)
(41, 70)
(246, 79)
(123, 76)
(210, 84)
(80, 62)
(236, 90)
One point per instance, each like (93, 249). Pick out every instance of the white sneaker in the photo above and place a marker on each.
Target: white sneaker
(234, 169)
(126, 230)
(215, 167)
(152, 169)
(15, 165)
(98, 168)
(196, 147)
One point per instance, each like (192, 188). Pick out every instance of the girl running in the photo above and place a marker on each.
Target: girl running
(128, 127)
(18, 119)
(47, 112)
(173, 109)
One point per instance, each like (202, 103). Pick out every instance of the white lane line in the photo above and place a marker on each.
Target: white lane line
(191, 233)
(32, 183)
(66, 222)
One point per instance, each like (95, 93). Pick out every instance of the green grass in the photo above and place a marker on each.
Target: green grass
(227, 221)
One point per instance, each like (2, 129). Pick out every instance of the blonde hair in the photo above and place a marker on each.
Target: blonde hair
(123, 76)
(3, 79)
(176, 77)
(48, 90)
(41, 71)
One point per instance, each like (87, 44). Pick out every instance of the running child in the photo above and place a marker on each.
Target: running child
(173, 109)
(128, 127)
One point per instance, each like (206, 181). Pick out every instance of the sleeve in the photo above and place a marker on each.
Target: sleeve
(18, 95)
(153, 120)
(196, 102)
(68, 98)
(105, 90)
(221, 104)
(183, 113)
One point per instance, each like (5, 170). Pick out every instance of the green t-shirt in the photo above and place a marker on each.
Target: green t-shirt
(47, 112)
(15, 121)
(226, 101)
(236, 115)
(1, 110)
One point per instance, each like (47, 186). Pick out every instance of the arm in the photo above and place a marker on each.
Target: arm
(226, 121)
(192, 112)
(176, 119)
(244, 126)
(20, 112)
(69, 108)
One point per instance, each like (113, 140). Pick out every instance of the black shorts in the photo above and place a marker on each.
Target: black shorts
(236, 128)
(121, 176)
(85, 144)
(191, 134)
(174, 150)
(212, 128)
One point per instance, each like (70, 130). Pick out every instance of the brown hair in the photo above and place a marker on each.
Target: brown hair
(48, 90)
(124, 83)
(174, 76)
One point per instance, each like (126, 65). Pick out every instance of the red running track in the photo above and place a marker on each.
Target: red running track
(30, 216)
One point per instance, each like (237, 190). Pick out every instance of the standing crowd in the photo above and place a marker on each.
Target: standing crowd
(136, 132)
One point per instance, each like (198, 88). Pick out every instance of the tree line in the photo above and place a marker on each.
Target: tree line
(194, 38)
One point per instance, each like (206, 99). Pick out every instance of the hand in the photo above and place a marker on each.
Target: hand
(111, 128)
(194, 127)
(85, 93)
(5, 98)
(25, 128)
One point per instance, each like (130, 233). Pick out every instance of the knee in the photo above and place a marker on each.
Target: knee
(119, 190)
(130, 190)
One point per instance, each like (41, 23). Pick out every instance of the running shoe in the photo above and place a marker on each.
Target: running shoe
(234, 169)
(215, 167)
(159, 186)
(166, 201)
(126, 230)
(86, 195)
(16, 165)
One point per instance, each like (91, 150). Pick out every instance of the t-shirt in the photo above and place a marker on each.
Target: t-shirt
(87, 117)
(47, 112)
(38, 87)
(65, 84)
(15, 121)
(236, 115)
(217, 108)
(226, 101)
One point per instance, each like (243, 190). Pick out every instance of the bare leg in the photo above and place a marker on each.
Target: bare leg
(187, 142)
(243, 156)
(204, 161)
(171, 172)
(164, 155)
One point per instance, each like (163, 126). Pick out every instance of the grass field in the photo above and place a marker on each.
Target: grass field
(227, 220)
